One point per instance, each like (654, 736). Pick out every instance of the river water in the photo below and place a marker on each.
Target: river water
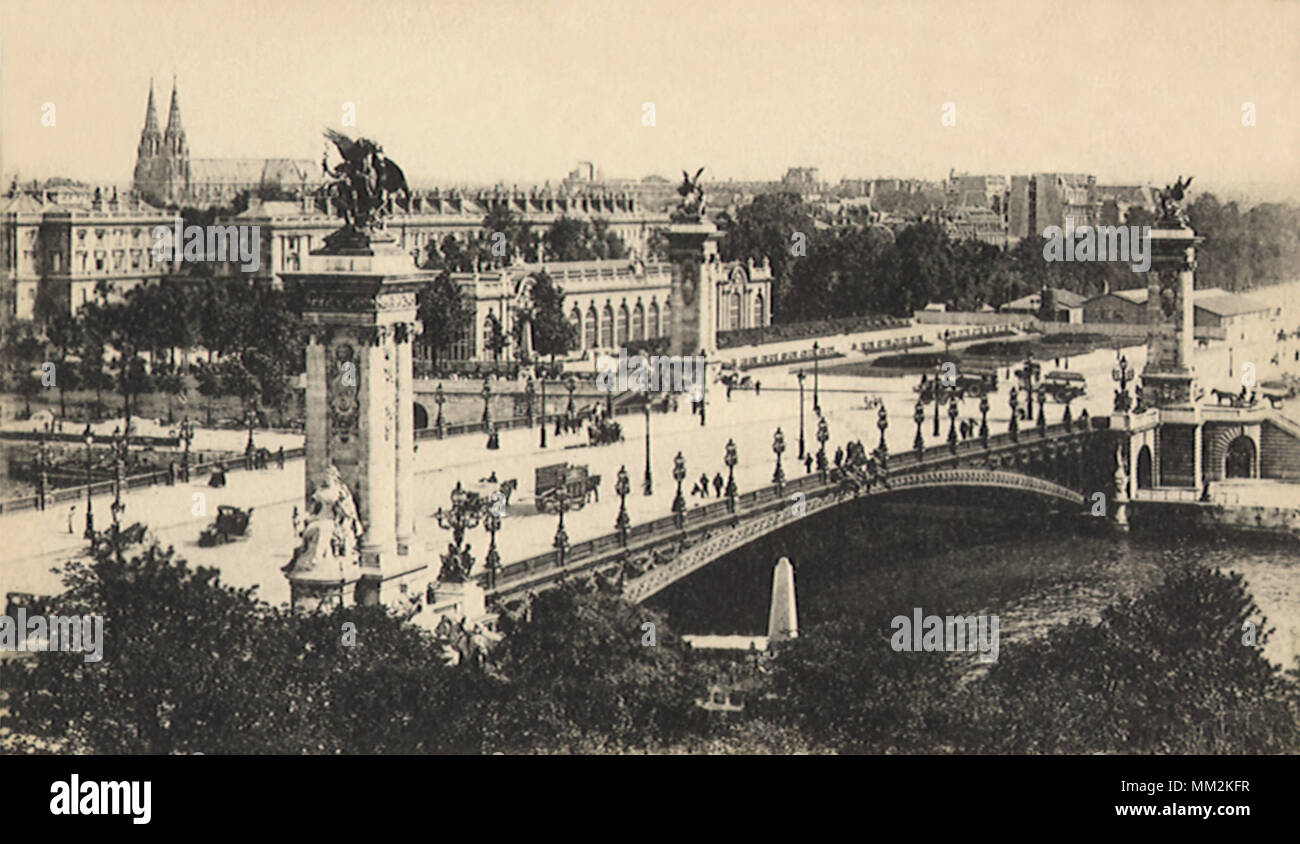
(1032, 570)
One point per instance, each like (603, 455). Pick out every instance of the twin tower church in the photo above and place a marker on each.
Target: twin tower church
(165, 174)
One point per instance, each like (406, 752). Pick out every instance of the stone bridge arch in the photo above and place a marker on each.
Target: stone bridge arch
(724, 539)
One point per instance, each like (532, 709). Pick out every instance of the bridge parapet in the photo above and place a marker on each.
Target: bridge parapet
(711, 531)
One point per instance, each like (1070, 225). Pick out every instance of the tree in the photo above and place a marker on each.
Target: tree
(63, 331)
(494, 339)
(192, 665)
(553, 334)
(443, 313)
(580, 674)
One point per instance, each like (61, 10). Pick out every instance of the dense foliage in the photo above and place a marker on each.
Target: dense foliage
(821, 271)
(191, 665)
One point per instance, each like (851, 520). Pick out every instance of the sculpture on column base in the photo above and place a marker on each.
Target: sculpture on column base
(331, 540)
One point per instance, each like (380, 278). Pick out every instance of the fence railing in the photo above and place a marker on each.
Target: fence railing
(157, 477)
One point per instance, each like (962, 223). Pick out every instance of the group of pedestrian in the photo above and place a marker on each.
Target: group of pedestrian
(701, 487)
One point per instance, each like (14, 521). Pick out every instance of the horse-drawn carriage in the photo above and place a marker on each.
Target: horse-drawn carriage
(230, 525)
(575, 482)
(489, 490)
(604, 431)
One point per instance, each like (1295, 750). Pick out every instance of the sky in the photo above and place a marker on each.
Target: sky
(521, 90)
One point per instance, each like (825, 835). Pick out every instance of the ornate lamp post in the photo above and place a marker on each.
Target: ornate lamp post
(1027, 375)
(952, 424)
(187, 437)
(918, 416)
(801, 448)
(543, 417)
(530, 393)
(251, 419)
(43, 471)
(679, 503)
(731, 459)
(882, 422)
(646, 485)
(461, 517)
(439, 398)
(487, 397)
(778, 447)
(492, 522)
(1014, 400)
(117, 470)
(1042, 416)
(817, 407)
(1122, 374)
(561, 542)
(622, 487)
(570, 385)
(89, 439)
(823, 434)
(704, 391)
(938, 395)
(984, 419)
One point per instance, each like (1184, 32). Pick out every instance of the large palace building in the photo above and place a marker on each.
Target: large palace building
(166, 175)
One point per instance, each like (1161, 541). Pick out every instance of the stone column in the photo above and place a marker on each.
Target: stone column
(405, 464)
(317, 435)
(690, 246)
(377, 484)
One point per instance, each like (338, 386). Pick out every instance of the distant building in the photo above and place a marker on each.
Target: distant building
(291, 230)
(1051, 199)
(55, 249)
(166, 175)
(610, 304)
(802, 180)
(1052, 303)
(1116, 200)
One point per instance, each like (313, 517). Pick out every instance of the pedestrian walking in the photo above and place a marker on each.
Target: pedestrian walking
(839, 458)
(297, 522)
(718, 484)
(279, 456)
(758, 385)
(72, 514)
(807, 462)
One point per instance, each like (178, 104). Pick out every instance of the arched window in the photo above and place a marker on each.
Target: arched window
(620, 337)
(589, 338)
(575, 319)
(638, 322)
(733, 312)
(607, 327)
(654, 329)
(758, 311)
(666, 324)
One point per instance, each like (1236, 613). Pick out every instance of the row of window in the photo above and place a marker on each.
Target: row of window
(611, 329)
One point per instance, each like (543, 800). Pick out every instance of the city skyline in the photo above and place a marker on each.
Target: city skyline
(1128, 108)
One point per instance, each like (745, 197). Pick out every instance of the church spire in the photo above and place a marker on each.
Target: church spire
(174, 138)
(151, 116)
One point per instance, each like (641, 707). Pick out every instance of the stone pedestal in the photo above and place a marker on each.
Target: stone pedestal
(359, 294)
(456, 601)
(693, 251)
(1169, 378)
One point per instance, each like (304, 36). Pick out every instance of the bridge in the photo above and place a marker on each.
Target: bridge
(1048, 463)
